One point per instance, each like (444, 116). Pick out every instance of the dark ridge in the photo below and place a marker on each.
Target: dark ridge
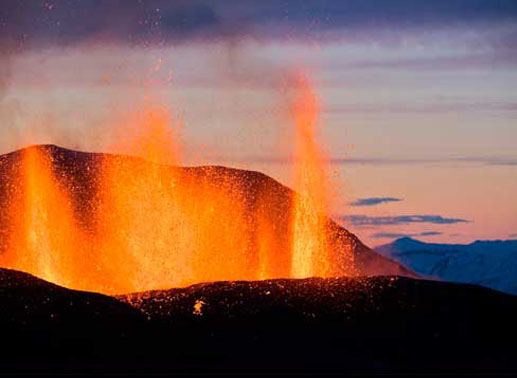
(44, 325)
(383, 324)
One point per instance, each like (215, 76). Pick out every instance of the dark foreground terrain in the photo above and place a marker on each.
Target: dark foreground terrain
(345, 325)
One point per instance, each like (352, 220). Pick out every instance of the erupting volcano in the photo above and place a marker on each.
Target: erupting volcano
(119, 224)
(181, 181)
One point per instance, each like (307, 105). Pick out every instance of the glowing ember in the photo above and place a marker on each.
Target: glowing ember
(198, 307)
(153, 226)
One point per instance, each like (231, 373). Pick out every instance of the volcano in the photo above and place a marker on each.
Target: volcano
(116, 224)
(372, 316)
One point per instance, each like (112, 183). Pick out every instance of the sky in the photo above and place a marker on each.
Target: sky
(418, 100)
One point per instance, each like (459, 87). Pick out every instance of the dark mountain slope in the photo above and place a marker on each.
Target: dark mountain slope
(377, 324)
(43, 325)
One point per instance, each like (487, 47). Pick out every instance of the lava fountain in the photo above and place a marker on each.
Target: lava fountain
(45, 239)
(310, 250)
(162, 227)
(151, 224)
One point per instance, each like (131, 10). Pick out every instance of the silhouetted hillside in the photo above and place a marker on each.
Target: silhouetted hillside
(43, 325)
(341, 325)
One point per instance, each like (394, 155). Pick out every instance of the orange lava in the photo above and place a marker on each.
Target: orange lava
(45, 240)
(162, 228)
(155, 226)
(311, 253)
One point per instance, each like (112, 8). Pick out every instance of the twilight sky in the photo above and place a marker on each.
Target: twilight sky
(418, 98)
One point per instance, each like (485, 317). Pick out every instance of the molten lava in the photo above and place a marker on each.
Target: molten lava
(154, 226)
(310, 250)
(163, 228)
(45, 240)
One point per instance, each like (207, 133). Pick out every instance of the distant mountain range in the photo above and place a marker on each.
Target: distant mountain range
(491, 264)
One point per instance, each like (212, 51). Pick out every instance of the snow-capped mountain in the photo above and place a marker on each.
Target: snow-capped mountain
(488, 263)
